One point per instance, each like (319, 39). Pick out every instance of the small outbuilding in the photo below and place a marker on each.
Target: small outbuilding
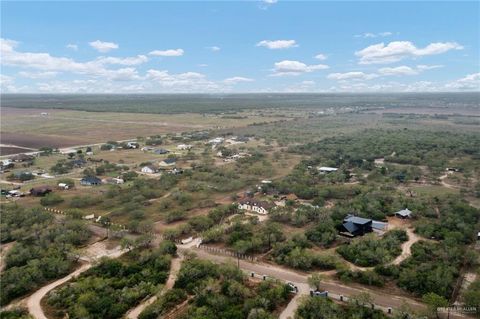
(40, 190)
(404, 213)
(90, 181)
(326, 169)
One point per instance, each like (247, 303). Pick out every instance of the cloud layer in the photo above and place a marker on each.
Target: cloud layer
(399, 50)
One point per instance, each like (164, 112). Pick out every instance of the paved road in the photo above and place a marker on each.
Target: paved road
(174, 269)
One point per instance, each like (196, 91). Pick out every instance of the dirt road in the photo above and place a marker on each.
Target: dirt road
(92, 253)
(33, 302)
(406, 246)
(174, 269)
(381, 298)
(289, 311)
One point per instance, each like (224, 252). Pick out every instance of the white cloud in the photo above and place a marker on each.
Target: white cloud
(202, 65)
(321, 57)
(139, 59)
(423, 67)
(277, 44)
(399, 70)
(288, 67)
(38, 75)
(270, 1)
(71, 46)
(170, 52)
(48, 63)
(237, 79)
(182, 82)
(470, 82)
(355, 75)
(103, 47)
(373, 35)
(214, 48)
(7, 84)
(399, 50)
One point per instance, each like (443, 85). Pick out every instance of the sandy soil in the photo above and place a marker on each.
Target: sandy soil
(90, 254)
(174, 269)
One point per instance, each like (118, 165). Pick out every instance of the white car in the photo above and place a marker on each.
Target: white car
(292, 286)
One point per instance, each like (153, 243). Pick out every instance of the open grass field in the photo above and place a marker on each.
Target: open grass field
(64, 128)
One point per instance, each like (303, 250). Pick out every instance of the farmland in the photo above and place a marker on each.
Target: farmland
(204, 165)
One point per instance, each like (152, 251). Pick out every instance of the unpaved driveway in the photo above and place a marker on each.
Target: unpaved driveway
(406, 246)
(33, 302)
(92, 253)
(174, 269)
(289, 311)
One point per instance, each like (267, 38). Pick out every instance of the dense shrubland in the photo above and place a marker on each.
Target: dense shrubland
(112, 287)
(44, 250)
(369, 251)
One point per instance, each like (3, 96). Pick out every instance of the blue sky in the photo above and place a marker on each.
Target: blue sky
(263, 46)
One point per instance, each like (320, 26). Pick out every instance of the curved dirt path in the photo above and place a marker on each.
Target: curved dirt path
(93, 252)
(445, 184)
(33, 302)
(406, 246)
(174, 269)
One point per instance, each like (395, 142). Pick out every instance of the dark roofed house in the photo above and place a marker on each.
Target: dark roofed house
(79, 162)
(40, 190)
(90, 181)
(168, 162)
(357, 226)
(161, 151)
(404, 213)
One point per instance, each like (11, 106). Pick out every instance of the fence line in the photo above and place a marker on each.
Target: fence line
(94, 219)
(227, 252)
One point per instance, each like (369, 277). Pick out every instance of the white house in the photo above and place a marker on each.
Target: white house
(149, 170)
(132, 145)
(326, 169)
(255, 206)
(67, 151)
(113, 180)
(184, 147)
(216, 140)
(6, 162)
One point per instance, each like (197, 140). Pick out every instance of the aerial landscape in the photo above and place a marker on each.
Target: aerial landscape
(257, 160)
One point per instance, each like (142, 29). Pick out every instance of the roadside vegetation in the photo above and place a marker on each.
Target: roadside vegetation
(112, 287)
(43, 250)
